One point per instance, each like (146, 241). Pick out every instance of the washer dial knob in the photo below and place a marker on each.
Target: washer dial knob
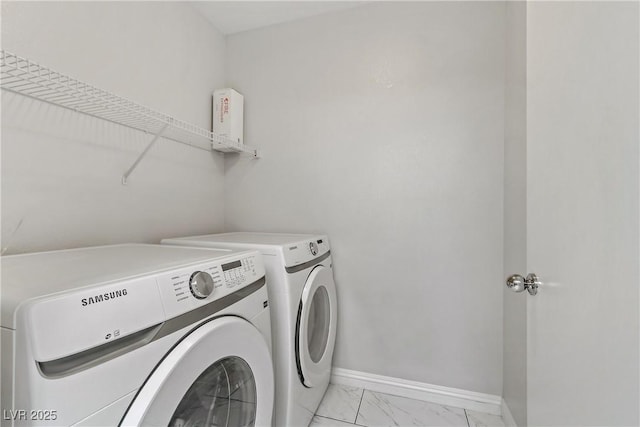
(201, 284)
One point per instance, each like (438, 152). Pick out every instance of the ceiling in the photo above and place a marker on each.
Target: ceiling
(235, 16)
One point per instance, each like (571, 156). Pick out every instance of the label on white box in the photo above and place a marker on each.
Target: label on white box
(228, 115)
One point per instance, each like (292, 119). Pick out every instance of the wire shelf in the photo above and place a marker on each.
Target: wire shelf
(28, 78)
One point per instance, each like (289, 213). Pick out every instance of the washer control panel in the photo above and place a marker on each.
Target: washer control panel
(111, 309)
(188, 288)
(235, 273)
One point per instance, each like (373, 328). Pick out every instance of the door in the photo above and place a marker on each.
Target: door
(316, 327)
(218, 375)
(582, 213)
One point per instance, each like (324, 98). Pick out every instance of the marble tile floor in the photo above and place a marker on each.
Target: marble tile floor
(348, 406)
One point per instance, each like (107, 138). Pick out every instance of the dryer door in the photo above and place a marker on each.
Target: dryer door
(218, 375)
(316, 327)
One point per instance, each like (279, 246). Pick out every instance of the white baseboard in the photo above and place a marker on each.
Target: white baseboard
(472, 400)
(507, 417)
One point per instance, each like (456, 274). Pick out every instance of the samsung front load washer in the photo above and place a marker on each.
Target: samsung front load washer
(303, 312)
(136, 335)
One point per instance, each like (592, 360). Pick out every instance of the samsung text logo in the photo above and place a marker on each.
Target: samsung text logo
(103, 297)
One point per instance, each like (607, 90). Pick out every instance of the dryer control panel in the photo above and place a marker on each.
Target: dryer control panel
(305, 251)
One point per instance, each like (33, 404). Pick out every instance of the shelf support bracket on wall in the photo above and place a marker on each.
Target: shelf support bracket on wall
(144, 153)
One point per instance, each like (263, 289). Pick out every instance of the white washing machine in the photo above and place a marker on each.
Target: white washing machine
(303, 313)
(136, 335)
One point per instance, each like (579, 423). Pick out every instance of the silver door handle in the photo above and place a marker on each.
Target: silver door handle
(517, 283)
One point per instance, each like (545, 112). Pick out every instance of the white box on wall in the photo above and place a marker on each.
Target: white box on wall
(228, 114)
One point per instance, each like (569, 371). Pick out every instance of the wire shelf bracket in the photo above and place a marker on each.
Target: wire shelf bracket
(144, 153)
(25, 77)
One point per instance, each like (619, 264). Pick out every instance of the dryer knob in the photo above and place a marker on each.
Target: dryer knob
(201, 284)
(313, 247)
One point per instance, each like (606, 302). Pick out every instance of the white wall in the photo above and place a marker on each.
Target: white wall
(515, 212)
(61, 171)
(383, 126)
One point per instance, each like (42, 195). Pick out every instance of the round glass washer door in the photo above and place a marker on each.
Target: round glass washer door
(316, 327)
(218, 375)
(223, 395)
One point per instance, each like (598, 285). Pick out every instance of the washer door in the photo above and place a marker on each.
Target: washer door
(218, 375)
(316, 327)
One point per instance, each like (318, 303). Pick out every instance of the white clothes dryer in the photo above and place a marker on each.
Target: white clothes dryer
(303, 312)
(136, 335)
